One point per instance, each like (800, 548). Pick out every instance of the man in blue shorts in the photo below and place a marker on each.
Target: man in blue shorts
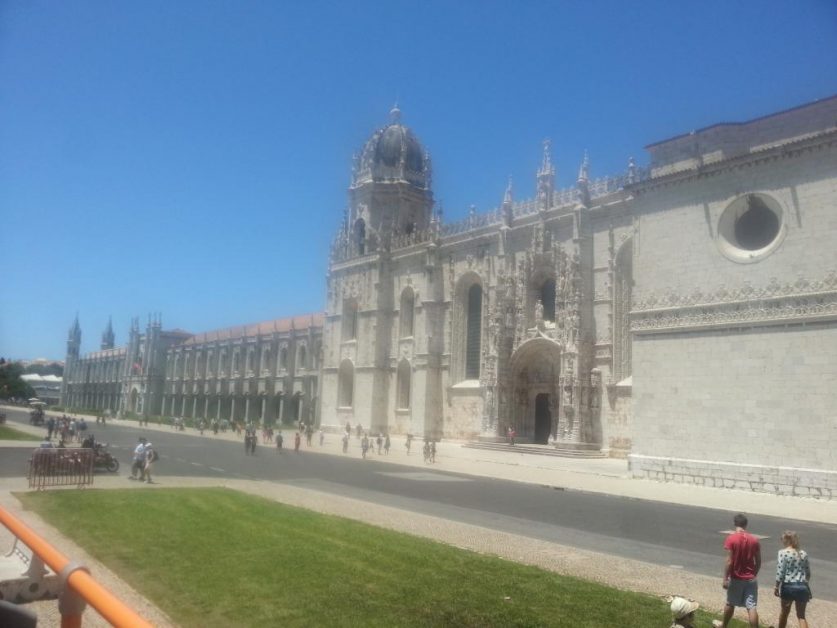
(742, 567)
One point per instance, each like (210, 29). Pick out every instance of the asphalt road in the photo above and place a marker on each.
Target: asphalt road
(687, 537)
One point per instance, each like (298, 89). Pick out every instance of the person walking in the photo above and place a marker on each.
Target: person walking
(279, 440)
(433, 451)
(793, 575)
(387, 444)
(379, 442)
(345, 442)
(364, 445)
(150, 458)
(409, 443)
(740, 572)
(138, 466)
(322, 437)
(297, 441)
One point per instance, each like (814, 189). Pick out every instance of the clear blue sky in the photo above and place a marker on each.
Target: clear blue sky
(192, 158)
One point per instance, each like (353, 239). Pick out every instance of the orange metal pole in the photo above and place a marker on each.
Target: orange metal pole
(108, 605)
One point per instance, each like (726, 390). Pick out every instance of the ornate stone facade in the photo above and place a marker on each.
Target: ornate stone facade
(683, 315)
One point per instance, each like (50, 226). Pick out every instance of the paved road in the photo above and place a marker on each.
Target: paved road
(655, 532)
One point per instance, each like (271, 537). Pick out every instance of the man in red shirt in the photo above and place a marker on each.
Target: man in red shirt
(742, 567)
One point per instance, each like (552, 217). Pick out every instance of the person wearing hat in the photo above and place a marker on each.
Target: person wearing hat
(683, 612)
(138, 466)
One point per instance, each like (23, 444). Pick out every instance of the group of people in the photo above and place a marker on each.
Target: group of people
(66, 429)
(143, 464)
(743, 562)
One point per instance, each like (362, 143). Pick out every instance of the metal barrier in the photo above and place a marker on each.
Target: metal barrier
(60, 467)
(79, 588)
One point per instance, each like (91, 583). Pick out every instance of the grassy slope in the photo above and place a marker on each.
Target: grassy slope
(9, 433)
(214, 557)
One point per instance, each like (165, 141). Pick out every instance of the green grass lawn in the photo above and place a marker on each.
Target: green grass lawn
(215, 557)
(10, 433)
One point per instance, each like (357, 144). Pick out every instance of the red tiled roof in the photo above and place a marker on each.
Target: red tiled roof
(303, 321)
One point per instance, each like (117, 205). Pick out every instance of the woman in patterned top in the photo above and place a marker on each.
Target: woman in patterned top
(793, 573)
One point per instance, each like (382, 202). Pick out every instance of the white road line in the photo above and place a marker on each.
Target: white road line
(217, 469)
(196, 464)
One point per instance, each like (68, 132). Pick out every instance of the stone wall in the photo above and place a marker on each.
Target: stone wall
(758, 403)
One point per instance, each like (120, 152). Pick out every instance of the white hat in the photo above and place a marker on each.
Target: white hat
(681, 607)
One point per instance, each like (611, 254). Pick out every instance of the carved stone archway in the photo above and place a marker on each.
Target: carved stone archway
(534, 371)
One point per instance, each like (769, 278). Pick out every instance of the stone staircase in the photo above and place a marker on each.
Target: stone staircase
(563, 450)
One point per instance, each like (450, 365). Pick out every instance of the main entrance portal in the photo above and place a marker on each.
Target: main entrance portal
(534, 390)
(543, 419)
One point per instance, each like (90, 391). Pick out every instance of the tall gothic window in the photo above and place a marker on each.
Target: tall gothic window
(403, 385)
(302, 357)
(547, 297)
(360, 236)
(283, 358)
(346, 384)
(473, 332)
(623, 285)
(235, 363)
(349, 319)
(406, 313)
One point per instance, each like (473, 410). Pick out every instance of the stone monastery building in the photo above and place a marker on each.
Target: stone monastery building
(684, 315)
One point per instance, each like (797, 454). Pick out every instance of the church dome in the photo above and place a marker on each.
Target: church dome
(393, 153)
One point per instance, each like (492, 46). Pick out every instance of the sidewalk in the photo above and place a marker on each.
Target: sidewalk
(599, 475)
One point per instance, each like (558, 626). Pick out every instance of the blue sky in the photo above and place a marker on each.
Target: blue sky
(192, 158)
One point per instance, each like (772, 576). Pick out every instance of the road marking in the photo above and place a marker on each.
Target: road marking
(424, 476)
(760, 537)
(217, 469)
(196, 464)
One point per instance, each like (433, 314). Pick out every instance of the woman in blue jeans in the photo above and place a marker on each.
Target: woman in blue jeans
(793, 573)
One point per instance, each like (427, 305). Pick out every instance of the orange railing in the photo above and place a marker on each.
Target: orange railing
(78, 582)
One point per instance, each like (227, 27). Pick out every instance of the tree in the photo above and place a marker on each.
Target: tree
(53, 368)
(11, 385)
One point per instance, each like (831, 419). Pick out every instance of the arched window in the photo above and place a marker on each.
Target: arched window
(346, 384)
(250, 360)
(222, 362)
(623, 286)
(473, 332)
(236, 361)
(349, 319)
(406, 312)
(403, 386)
(360, 236)
(283, 358)
(187, 363)
(302, 355)
(266, 359)
(547, 297)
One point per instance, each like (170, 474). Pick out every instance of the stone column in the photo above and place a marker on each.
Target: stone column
(247, 409)
(232, 408)
(206, 406)
(194, 405)
(261, 414)
(183, 406)
(218, 408)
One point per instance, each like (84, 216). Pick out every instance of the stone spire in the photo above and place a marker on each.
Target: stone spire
(107, 336)
(584, 169)
(583, 181)
(546, 178)
(395, 114)
(508, 204)
(75, 331)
